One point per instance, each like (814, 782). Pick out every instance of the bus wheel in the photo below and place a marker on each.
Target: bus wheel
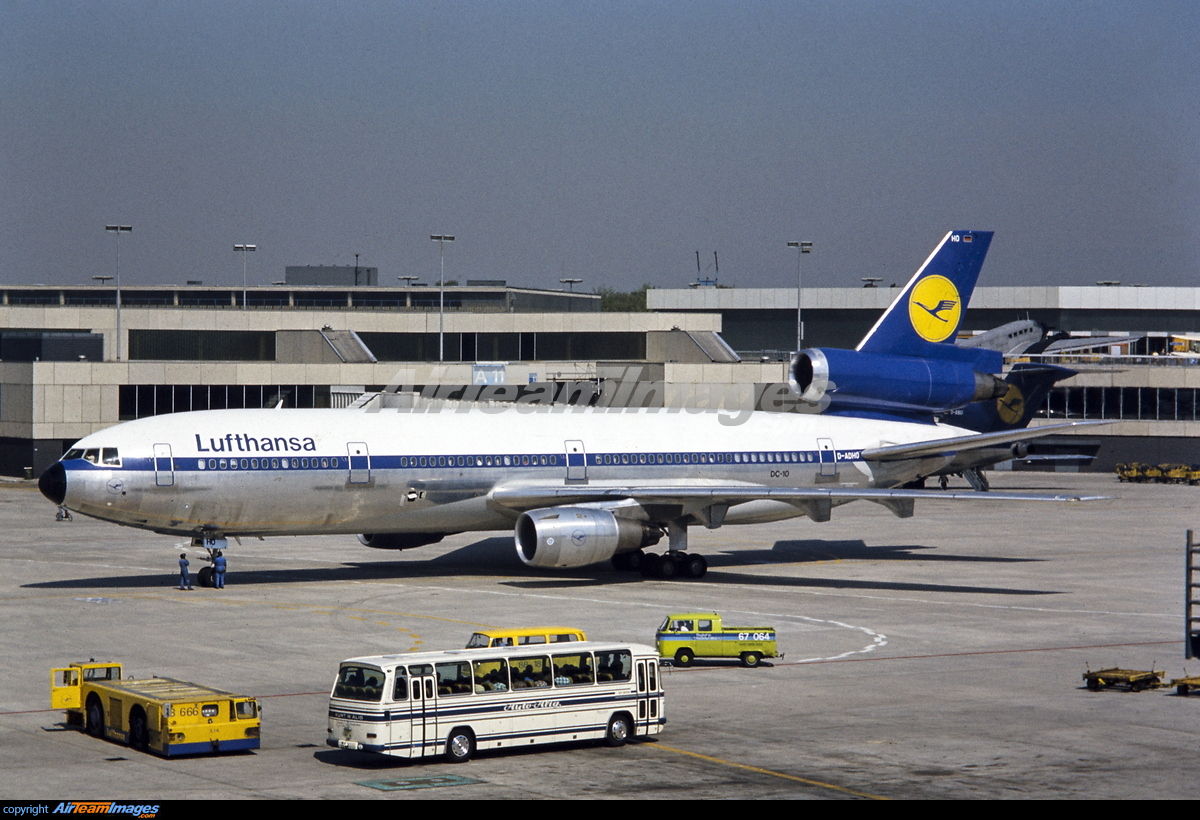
(750, 659)
(618, 730)
(460, 746)
(95, 717)
(139, 736)
(684, 657)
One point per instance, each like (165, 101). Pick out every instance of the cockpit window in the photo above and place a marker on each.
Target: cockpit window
(92, 454)
(109, 456)
(73, 453)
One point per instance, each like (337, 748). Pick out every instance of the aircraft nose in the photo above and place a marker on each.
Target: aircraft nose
(53, 483)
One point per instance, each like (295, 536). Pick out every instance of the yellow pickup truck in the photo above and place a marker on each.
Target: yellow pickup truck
(685, 636)
(161, 715)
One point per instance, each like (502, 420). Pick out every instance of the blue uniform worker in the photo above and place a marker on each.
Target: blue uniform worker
(219, 570)
(185, 581)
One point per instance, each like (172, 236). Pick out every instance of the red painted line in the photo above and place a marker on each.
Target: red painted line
(256, 697)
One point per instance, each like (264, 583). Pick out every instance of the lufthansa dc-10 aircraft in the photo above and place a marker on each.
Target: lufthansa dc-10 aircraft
(577, 485)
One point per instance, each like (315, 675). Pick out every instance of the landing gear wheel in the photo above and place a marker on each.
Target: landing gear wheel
(669, 567)
(205, 577)
(695, 567)
(618, 730)
(650, 564)
(139, 735)
(751, 659)
(95, 718)
(628, 561)
(460, 746)
(685, 657)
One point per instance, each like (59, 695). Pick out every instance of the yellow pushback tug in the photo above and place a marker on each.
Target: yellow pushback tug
(161, 715)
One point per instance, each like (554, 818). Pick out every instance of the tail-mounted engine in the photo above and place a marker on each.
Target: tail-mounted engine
(578, 536)
(839, 380)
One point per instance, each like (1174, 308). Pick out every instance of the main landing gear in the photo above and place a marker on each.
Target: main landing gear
(665, 567)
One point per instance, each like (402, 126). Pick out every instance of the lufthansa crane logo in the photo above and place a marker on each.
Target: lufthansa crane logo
(1011, 406)
(934, 308)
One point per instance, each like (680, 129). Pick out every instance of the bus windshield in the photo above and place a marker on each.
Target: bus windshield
(359, 683)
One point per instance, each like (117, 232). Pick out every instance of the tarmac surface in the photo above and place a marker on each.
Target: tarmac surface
(935, 657)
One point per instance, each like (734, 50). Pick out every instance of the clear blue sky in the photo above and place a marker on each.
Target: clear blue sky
(607, 141)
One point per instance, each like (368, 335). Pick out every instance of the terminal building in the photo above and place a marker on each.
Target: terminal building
(72, 361)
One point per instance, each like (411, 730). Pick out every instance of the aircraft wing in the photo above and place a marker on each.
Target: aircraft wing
(533, 496)
(952, 446)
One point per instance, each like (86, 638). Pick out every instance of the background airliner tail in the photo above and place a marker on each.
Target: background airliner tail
(1027, 384)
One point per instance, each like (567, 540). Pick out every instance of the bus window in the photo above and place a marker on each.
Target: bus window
(528, 673)
(564, 638)
(454, 678)
(570, 670)
(359, 683)
(491, 676)
(479, 641)
(530, 640)
(400, 689)
(245, 709)
(614, 666)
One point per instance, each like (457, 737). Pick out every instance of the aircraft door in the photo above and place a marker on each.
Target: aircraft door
(164, 468)
(360, 462)
(828, 455)
(576, 461)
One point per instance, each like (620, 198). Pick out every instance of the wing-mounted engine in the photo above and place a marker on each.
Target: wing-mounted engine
(399, 540)
(854, 381)
(578, 536)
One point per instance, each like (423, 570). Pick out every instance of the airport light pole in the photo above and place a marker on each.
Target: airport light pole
(570, 283)
(801, 248)
(442, 239)
(117, 230)
(243, 250)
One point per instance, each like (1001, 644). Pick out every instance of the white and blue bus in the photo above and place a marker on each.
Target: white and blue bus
(423, 704)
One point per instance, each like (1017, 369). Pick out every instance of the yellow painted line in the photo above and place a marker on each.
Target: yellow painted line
(768, 772)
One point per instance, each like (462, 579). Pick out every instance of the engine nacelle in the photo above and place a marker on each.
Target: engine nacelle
(853, 380)
(578, 536)
(399, 540)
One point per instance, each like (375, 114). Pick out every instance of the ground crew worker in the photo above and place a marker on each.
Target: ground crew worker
(219, 570)
(185, 581)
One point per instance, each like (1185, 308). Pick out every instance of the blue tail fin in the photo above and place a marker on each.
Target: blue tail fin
(924, 319)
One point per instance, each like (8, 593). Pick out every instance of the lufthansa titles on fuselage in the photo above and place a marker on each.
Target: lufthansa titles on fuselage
(254, 444)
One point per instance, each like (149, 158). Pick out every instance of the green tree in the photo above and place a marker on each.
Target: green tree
(615, 301)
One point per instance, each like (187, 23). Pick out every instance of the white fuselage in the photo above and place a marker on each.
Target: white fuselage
(297, 472)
